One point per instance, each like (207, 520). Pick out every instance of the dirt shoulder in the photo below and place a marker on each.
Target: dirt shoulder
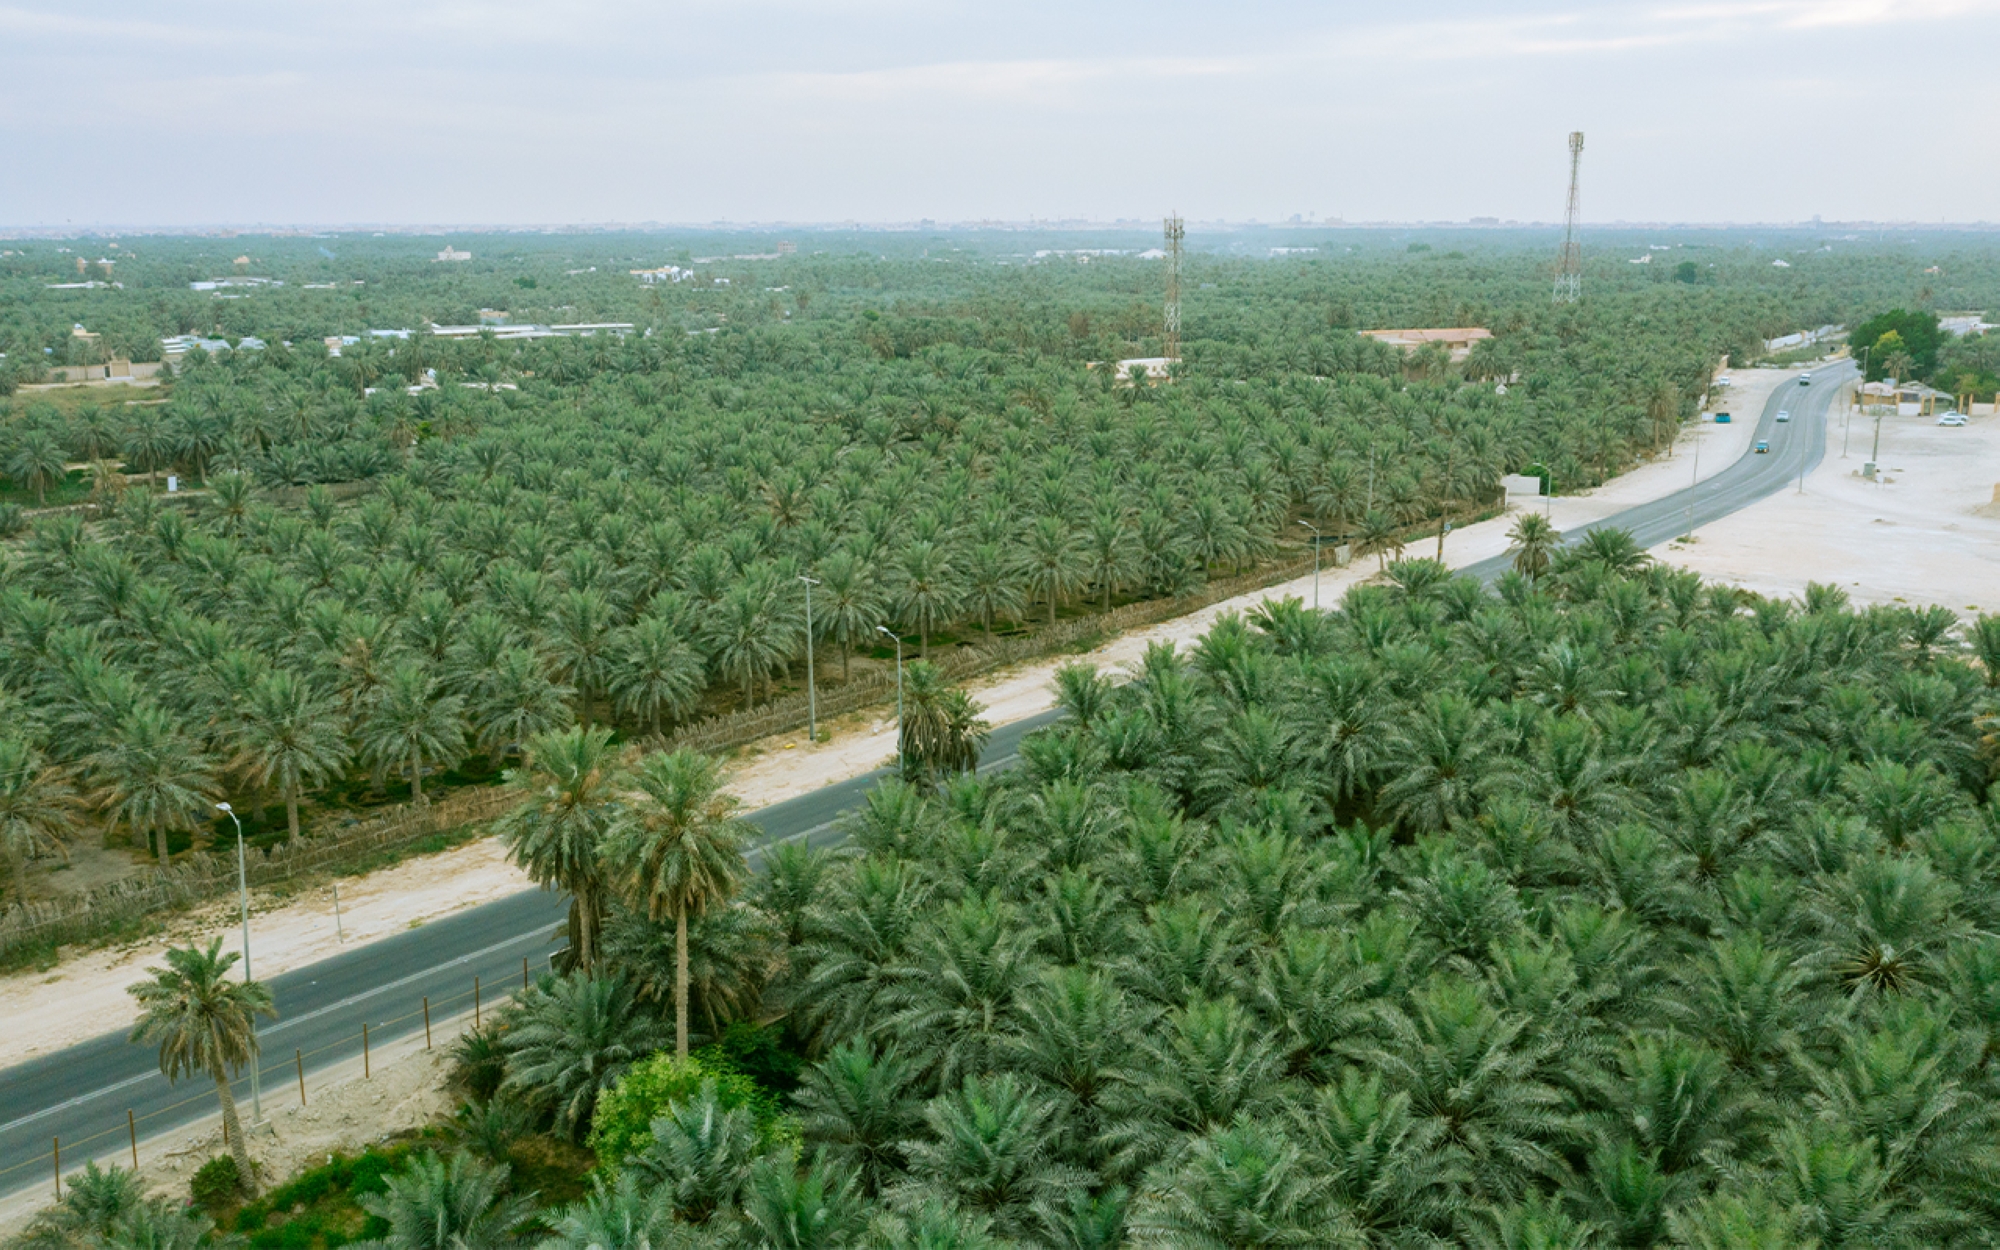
(84, 995)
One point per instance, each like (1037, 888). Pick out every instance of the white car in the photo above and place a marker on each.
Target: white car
(1952, 418)
(1784, 415)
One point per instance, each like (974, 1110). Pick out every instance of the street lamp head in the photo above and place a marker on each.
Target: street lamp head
(882, 630)
(810, 581)
(223, 807)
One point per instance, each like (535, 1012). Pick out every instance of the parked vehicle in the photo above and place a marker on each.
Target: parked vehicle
(1952, 418)
(1805, 379)
(1784, 415)
(1762, 447)
(1722, 418)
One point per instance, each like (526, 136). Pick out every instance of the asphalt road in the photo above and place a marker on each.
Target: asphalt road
(82, 1094)
(1796, 446)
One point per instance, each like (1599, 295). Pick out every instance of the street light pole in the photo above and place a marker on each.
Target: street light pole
(1315, 529)
(899, 684)
(812, 687)
(1694, 481)
(243, 904)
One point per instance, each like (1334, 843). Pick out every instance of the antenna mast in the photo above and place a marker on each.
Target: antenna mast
(1175, 232)
(1569, 266)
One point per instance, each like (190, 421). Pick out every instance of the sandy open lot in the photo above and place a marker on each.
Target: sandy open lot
(1927, 532)
(85, 994)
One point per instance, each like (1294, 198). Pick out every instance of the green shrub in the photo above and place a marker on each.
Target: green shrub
(217, 1184)
(623, 1124)
(758, 1052)
(479, 1063)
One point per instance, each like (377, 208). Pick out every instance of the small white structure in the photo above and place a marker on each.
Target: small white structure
(1518, 485)
(451, 253)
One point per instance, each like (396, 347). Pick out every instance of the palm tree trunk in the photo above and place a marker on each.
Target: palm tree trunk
(417, 777)
(161, 845)
(292, 810)
(585, 902)
(232, 1128)
(846, 653)
(681, 985)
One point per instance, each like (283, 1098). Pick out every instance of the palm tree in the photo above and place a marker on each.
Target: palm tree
(583, 623)
(653, 674)
(942, 732)
(36, 461)
(744, 635)
(149, 441)
(411, 719)
(861, 1106)
(513, 700)
(700, 1155)
(991, 588)
(927, 591)
(623, 1215)
(570, 1039)
(1537, 541)
(291, 735)
(153, 777)
(439, 1204)
(1053, 561)
(38, 806)
(989, 1149)
(677, 852)
(815, 1209)
(1245, 1185)
(848, 605)
(568, 801)
(1108, 551)
(203, 1022)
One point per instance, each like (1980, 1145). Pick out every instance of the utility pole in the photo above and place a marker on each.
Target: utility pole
(1569, 263)
(243, 903)
(1176, 230)
(1315, 529)
(812, 687)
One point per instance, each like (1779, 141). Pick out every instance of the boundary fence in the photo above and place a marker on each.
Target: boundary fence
(280, 1075)
(207, 877)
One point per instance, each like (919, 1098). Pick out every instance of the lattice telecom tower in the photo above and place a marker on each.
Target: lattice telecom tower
(1175, 232)
(1569, 266)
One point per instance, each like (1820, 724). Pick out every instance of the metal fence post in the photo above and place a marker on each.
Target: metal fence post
(58, 1159)
(299, 1058)
(364, 1050)
(475, 1002)
(524, 972)
(427, 1022)
(132, 1125)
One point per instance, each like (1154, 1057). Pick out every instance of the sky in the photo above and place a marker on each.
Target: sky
(591, 111)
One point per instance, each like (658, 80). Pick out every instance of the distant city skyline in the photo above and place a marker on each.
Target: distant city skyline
(887, 111)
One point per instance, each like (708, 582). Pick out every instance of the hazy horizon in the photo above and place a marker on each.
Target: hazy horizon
(882, 113)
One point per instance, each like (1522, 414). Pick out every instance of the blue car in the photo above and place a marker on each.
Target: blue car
(1722, 418)
(1762, 447)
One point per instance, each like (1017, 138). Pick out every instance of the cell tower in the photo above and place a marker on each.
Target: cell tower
(1569, 266)
(1175, 232)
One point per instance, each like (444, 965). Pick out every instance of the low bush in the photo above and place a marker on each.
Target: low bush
(217, 1184)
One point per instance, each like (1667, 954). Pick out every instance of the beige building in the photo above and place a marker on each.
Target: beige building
(1457, 340)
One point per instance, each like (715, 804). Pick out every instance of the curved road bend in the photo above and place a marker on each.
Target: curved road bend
(86, 1089)
(1796, 447)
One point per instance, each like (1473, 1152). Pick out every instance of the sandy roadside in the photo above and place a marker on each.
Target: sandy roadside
(1928, 532)
(85, 994)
